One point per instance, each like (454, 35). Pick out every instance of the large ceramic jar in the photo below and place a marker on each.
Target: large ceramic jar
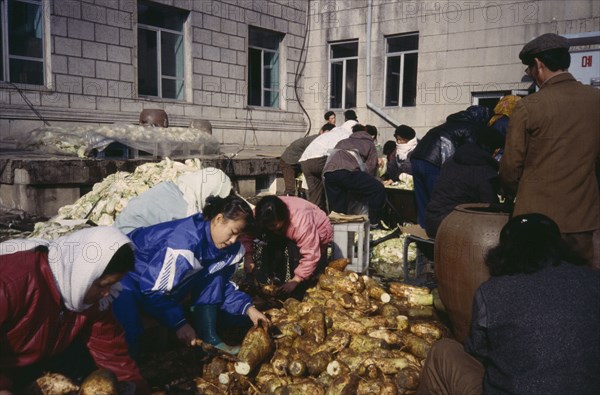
(462, 240)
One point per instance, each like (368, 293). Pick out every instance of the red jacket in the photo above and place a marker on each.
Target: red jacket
(34, 324)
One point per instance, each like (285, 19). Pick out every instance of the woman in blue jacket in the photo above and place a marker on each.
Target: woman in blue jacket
(190, 259)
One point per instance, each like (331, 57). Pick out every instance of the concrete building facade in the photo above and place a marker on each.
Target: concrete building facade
(88, 61)
(243, 64)
(467, 53)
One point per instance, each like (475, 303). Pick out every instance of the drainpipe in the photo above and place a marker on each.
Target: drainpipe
(371, 105)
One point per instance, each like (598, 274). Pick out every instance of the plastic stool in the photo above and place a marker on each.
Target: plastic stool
(344, 246)
(419, 261)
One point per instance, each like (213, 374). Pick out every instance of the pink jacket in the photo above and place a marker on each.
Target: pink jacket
(309, 228)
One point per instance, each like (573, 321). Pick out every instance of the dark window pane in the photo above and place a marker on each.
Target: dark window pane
(172, 54)
(344, 50)
(26, 71)
(264, 38)
(271, 98)
(271, 72)
(159, 15)
(409, 85)
(351, 78)
(25, 31)
(172, 89)
(254, 73)
(1, 50)
(337, 75)
(147, 63)
(403, 43)
(392, 87)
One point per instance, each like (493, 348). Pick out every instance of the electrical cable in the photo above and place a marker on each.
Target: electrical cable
(303, 63)
(28, 102)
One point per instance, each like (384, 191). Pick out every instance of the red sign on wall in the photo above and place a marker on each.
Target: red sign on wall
(586, 61)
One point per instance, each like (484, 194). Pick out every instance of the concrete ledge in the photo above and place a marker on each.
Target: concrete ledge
(40, 184)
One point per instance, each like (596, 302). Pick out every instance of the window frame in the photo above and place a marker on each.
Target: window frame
(159, 75)
(401, 55)
(274, 87)
(6, 57)
(344, 61)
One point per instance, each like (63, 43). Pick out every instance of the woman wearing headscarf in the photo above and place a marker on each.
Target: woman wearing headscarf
(399, 162)
(502, 113)
(55, 310)
(171, 200)
(499, 121)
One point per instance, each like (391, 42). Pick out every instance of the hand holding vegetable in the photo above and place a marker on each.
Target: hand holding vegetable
(256, 316)
(288, 287)
(186, 334)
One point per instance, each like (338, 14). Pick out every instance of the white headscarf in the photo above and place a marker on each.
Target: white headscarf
(198, 185)
(402, 150)
(76, 260)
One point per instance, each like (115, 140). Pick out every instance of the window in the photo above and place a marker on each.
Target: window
(22, 41)
(343, 59)
(160, 50)
(401, 70)
(263, 67)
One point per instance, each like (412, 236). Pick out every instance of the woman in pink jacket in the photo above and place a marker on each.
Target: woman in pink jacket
(303, 228)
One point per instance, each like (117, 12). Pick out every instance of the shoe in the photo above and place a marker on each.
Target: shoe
(205, 323)
(233, 350)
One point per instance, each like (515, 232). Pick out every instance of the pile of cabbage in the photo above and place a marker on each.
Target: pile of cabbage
(110, 196)
(405, 182)
(83, 139)
(387, 257)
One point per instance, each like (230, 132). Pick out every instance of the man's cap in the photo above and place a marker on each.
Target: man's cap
(542, 43)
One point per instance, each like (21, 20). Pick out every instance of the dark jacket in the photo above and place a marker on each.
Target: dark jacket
(395, 167)
(362, 144)
(294, 151)
(537, 334)
(465, 178)
(440, 142)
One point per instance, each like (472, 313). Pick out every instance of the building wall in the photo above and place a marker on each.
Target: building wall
(92, 59)
(464, 47)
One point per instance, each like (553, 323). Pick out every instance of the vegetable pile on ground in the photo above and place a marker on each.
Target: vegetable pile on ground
(110, 196)
(348, 335)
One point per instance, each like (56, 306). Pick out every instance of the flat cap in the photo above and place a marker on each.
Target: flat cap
(542, 43)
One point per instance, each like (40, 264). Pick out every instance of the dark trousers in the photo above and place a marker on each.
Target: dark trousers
(425, 175)
(342, 186)
(289, 172)
(313, 171)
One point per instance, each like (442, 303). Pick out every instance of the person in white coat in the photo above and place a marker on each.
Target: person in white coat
(171, 200)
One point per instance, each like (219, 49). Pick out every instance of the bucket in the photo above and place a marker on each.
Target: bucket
(462, 240)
